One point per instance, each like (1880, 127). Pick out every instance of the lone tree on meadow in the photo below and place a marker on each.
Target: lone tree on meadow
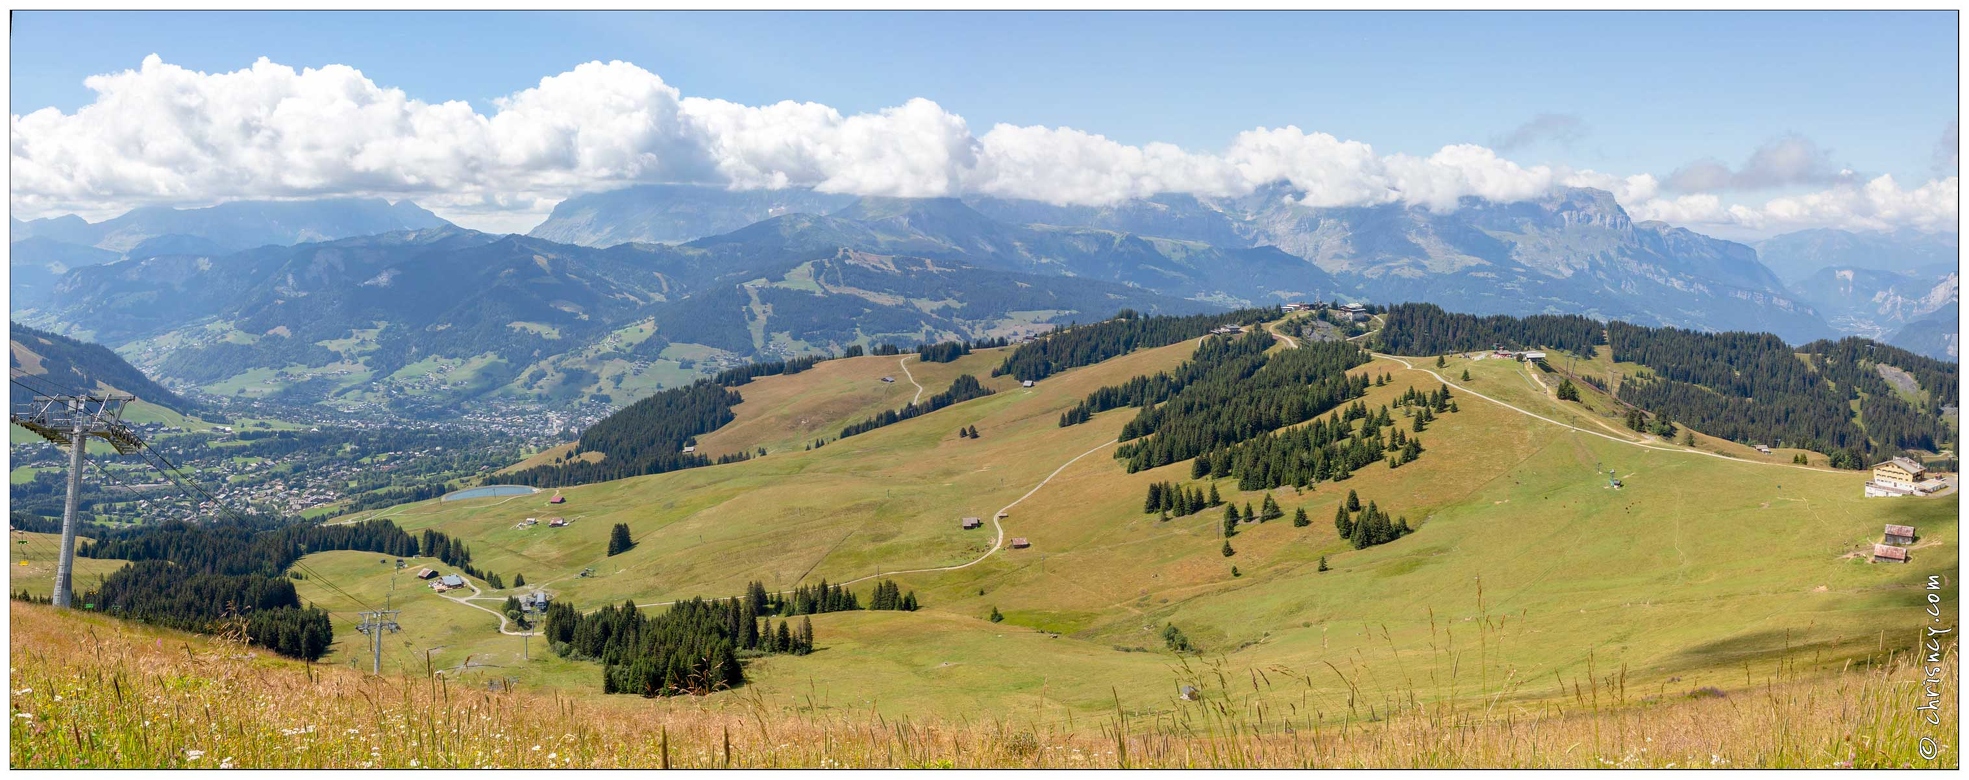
(618, 539)
(1567, 392)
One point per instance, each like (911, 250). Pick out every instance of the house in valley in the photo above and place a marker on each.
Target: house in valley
(1898, 534)
(1887, 553)
(1020, 543)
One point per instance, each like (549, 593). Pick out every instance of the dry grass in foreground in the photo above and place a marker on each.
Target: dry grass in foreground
(88, 691)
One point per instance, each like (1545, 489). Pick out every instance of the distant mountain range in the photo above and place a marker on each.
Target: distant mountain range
(619, 291)
(42, 250)
(1573, 252)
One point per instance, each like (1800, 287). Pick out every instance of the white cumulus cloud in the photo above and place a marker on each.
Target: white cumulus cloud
(163, 134)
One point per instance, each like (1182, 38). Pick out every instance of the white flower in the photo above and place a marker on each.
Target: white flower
(194, 755)
(536, 748)
(25, 715)
(225, 763)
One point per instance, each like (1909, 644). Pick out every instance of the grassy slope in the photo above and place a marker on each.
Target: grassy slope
(40, 552)
(1697, 567)
(232, 706)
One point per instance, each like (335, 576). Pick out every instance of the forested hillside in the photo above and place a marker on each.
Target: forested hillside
(1085, 345)
(1752, 387)
(647, 437)
(80, 365)
(1426, 329)
(198, 577)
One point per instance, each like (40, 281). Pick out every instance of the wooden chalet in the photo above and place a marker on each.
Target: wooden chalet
(1020, 543)
(1899, 534)
(1887, 553)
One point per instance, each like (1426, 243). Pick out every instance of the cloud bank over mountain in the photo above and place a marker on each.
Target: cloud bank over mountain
(167, 135)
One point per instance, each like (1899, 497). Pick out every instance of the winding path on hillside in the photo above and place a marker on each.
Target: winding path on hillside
(997, 542)
(1630, 442)
(904, 362)
(479, 594)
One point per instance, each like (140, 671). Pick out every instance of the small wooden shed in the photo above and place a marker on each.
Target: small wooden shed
(1887, 553)
(1020, 543)
(972, 522)
(1899, 534)
(425, 574)
(556, 522)
(1004, 514)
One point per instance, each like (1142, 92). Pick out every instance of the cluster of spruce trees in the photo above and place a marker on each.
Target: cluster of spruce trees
(1085, 345)
(1425, 329)
(1232, 517)
(692, 647)
(1327, 449)
(646, 437)
(1216, 356)
(890, 596)
(1174, 500)
(1752, 387)
(1225, 398)
(822, 597)
(195, 577)
(734, 377)
(964, 388)
(1368, 528)
(948, 351)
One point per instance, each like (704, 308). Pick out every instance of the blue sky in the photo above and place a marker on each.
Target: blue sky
(1636, 92)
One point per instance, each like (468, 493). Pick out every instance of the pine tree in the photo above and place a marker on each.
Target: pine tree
(1353, 501)
(1271, 510)
(996, 617)
(785, 638)
(1299, 519)
(618, 539)
(519, 580)
(1323, 566)
(1417, 427)
(1689, 438)
(1228, 552)
(806, 636)
(1466, 375)
(1567, 391)
(1214, 498)
(1154, 501)
(963, 433)
(1440, 362)
(1249, 516)
(1342, 523)
(974, 431)
(1230, 520)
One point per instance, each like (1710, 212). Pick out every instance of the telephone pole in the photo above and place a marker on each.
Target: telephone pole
(70, 421)
(374, 623)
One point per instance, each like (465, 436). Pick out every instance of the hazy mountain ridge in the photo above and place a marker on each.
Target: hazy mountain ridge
(67, 363)
(1574, 251)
